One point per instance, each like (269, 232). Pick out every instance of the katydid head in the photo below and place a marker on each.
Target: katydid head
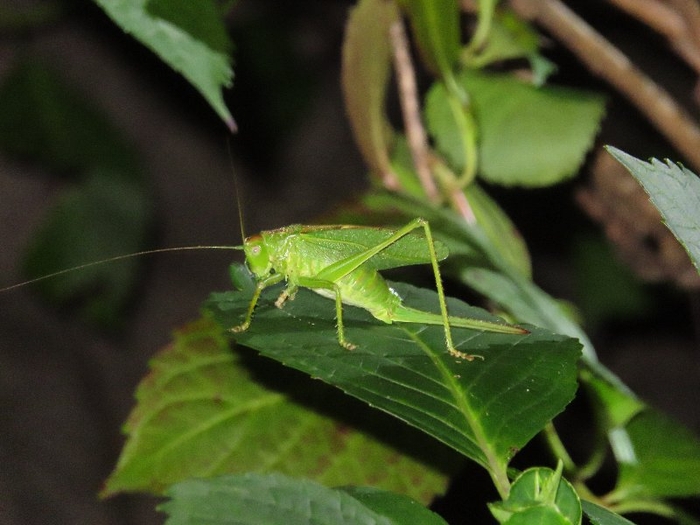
(257, 256)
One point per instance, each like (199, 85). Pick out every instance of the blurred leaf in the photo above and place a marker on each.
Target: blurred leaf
(615, 405)
(675, 191)
(510, 37)
(485, 409)
(365, 74)
(499, 229)
(403, 167)
(601, 516)
(207, 69)
(436, 29)
(663, 460)
(205, 411)
(107, 212)
(443, 124)
(107, 215)
(46, 120)
(539, 495)
(274, 499)
(607, 288)
(528, 136)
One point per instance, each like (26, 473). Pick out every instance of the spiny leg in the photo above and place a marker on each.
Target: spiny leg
(441, 294)
(313, 282)
(288, 293)
(259, 287)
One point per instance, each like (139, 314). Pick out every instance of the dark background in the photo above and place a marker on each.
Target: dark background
(65, 388)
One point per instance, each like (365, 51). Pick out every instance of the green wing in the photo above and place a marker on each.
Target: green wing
(351, 240)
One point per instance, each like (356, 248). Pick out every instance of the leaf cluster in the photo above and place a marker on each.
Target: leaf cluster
(245, 432)
(242, 435)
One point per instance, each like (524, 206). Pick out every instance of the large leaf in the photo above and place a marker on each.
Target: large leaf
(274, 499)
(485, 409)
(204, 410)
(476, 262)
(675, 191)
(528, 136)
(365, 74)
(207, 69)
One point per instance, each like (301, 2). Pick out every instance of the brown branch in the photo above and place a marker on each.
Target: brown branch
(410, 108)
(680, 24)
(605, 60)
(690, 12)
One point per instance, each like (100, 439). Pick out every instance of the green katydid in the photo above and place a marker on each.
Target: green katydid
(343, 263)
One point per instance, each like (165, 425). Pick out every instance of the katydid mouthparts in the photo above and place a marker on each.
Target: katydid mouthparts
(341, 262)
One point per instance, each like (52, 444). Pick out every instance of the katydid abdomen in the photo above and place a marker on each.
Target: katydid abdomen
(367, 289)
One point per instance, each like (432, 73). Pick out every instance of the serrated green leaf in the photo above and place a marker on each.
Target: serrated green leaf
(207, 69)
(528, 136)
(485, 409)
(107, 214)
(401, 509)
(205, 411)
(602, 516)
(663, 460)
(365, 75)
(435, 25)
(675, 191)
(271, 499)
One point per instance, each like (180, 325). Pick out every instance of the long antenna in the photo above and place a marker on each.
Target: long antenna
(236, 189)
(118, 258)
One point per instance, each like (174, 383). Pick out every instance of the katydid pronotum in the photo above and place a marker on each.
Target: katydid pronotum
(342, 263)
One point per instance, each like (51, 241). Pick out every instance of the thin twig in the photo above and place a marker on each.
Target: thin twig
(410, 107)
(462, 206)
(605, 60)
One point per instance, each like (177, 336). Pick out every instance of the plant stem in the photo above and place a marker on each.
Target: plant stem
(679, 26)
(558, 448)
(410, 107)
